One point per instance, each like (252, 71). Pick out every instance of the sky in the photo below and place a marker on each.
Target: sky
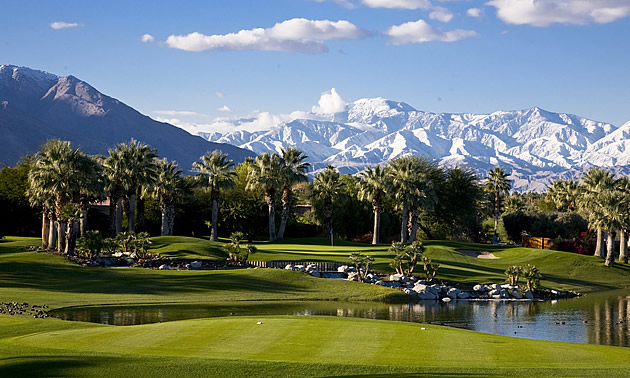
(200, 63)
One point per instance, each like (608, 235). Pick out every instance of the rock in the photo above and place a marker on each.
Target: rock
(453, 292)
(528, 295)
(463, 295)
(555, 292)
(446, 299)
(395, 277)
(427, 295)
(478, 288)
(316, 274)
(516, 294)
(164, 267)
(379, 283)
(195, 264)
(289, 267)
(420, 287)
(410, 292)
(496, 286)
(353, 276)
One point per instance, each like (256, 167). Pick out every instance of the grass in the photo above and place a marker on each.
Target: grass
(290, 346)
(282, 345)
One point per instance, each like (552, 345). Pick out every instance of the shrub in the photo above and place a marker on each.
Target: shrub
(406, 256)
(513, 273)
(430, 268)
(360, 262)
(236, 253)
(533, 276)
(91, 244)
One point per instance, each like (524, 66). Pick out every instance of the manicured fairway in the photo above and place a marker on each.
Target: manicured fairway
(300, 346)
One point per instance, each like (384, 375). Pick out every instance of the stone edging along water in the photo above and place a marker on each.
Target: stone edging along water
(435, 290)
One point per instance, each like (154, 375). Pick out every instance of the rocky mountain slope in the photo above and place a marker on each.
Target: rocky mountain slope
(36, 106)
(534, 144)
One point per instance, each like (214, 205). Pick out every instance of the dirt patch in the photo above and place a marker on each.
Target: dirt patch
(477, 254)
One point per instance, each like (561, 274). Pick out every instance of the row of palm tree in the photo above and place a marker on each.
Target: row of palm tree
(605, 200)
(64, 180)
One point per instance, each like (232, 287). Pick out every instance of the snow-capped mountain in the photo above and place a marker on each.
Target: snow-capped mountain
(535, 144)
(36, 106)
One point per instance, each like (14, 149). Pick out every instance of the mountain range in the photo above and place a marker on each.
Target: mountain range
(535, 145)
(36, 106)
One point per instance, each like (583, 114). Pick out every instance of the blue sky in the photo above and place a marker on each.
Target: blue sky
(252, 56)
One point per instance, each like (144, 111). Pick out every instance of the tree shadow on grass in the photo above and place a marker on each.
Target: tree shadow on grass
(75, 279)
(41, 366)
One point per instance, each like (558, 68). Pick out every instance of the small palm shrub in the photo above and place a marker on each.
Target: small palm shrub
(430, 268)
(91, 244)
(532, 276)
(405, 256)
(513, 273)
(236, 253)
(361, 262)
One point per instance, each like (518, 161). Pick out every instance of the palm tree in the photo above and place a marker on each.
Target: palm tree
(497, 182)
(92, 188)
(219, 171)
(564, 194)
(264, 172)
(168, 186)
(595, 182)
(623, 186)
(39, 197)
(403, 178)
(326, 186)
(139, 166)
(373, 187)
(116, 181)
(58, 171)
(293, 172)
(608, 214)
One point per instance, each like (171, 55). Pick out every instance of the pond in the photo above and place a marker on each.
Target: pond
(594, 319)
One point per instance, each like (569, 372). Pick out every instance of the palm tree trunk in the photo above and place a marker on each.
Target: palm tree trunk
(599, 245)
(170, 218)
(286, 210)
(272, 214)
(61, 235)
(164, 208)
(403, 227)
(112, 217)
(140, 211)
(495, 237)
(214, 232)
(71, 237)
(610, 255)
(131, 215)
(83, 220)
(45, 229)
(52, 231)
(414, 225)
(119, 215)
(623, 247)
(377, 225)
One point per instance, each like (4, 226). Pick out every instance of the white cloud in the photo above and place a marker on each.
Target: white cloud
(179, 113)
(474, 12)
(63, 25)
(147, 38)
(399, 4)
(219, 94)
(547, 12)
(225, 108)
(330, 103)
(421, 32)
(295, 35)
(441, 14)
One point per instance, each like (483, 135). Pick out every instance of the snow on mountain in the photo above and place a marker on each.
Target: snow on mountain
(535, 144)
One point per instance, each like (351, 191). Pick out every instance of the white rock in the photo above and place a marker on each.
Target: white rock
(289, 267)
(453, 293)
(410, 292)
(446, 299)
(478, 288)
(164, 267)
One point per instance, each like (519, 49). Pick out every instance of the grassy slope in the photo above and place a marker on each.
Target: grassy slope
(49, 279)
(299, 346)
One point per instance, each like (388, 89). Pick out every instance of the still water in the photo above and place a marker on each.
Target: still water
(594, 319)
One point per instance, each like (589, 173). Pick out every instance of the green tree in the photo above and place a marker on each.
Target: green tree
(362, 264)
(514, 273)
(327, 186)
(218, 170)
(168, 187)
(293, 171)
(532, 277)
(374, 186)
(497, 183)
(406, 256)
(265, 172)
(595, 182)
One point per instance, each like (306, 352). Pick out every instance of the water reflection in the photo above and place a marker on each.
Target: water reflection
(596, 319)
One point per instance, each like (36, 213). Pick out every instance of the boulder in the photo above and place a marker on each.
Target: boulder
(463, 295)
(164, 267)
(195, 265)
(289, 267)
(379, 283)
(420, 287)
(396, 277)
(446, 299)
(316, 274)
(453, 292)
(427, 295)
(410, 292)
(516, 294)
(353, 276)
(478, 288)
(528, 295)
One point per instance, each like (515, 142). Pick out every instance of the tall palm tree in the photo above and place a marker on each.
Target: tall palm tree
(115, 183)
(264, 172)
(327, 186)
(564, 194)
(168, 186)
(608, 214)
(293, 172)
(218, 170)
(595, 182)
(92, 188)
(623, 186)
(39, 197)
(497, 182)
(373, 187)
(58, 170)
(403, 178)
(139, 166)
